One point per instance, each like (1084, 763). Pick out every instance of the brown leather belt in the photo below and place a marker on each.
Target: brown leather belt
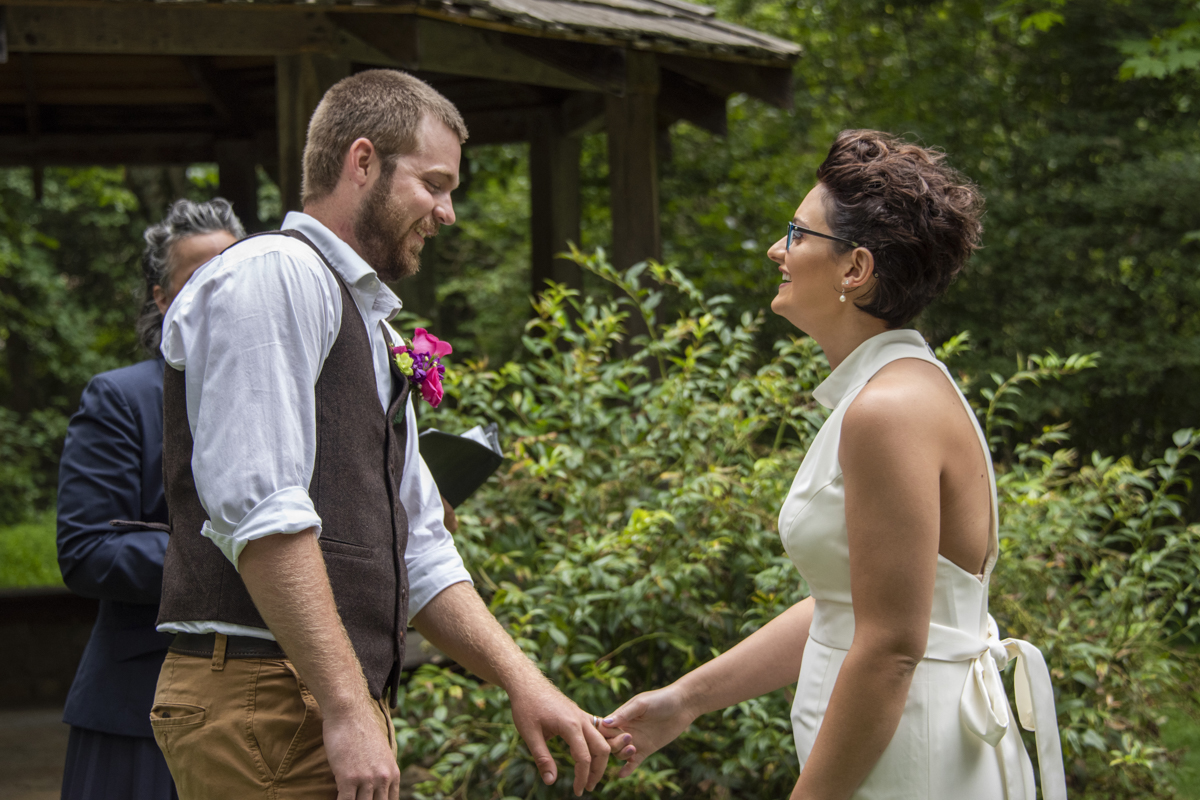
(201, 645)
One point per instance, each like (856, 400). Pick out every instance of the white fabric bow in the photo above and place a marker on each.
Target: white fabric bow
(985, 712)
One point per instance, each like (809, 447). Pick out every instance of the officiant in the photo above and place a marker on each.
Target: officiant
(111, 468)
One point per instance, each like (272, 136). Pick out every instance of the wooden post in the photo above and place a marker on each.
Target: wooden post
(554, 204)
(239, 181)
(633, 168)
(300, 82)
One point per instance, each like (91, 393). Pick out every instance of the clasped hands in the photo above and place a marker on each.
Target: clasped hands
(646, 723)
(641, 726)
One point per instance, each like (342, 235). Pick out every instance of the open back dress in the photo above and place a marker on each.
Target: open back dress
(955, 738)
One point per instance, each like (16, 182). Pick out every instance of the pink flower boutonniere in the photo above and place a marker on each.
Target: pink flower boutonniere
(421, 362)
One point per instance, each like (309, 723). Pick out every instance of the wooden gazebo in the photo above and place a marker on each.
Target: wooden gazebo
(177, 82)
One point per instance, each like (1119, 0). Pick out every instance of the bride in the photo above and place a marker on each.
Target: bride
(891, 520)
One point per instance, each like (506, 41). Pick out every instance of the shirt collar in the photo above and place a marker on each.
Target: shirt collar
(856, 369)
(356, 272)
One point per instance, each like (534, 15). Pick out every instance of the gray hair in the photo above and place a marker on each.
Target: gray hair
(184, 219)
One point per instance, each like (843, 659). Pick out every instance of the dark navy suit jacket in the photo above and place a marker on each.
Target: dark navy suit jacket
(111, 468)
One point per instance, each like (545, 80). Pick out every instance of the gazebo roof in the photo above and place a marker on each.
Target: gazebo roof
(236, 81)
(659, 25)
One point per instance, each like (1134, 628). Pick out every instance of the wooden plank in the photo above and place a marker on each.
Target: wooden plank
(71, 150)
(633, 169)
(219, 90)
(112, 97)
(502, 126)
(301, 81)
(102, 80)
(239, 180)
(682, 98)
(29, 95)
(434, 46)
(200, 29)
(773, 84)
(554, 204)
(601, 67)
(3, 34)
(582, 113)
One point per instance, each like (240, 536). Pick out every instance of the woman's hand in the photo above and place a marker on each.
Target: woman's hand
(654, 719)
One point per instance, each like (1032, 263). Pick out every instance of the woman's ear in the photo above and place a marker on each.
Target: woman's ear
(161, 299)
(860, 268)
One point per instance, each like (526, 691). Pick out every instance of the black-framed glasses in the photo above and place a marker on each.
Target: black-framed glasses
(793, 229)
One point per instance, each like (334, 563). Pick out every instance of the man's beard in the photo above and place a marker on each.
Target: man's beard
(382, 231)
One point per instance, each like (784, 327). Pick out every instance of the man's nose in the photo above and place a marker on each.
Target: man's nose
(444, 212)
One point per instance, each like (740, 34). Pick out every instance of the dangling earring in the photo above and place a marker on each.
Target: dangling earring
(842, 299)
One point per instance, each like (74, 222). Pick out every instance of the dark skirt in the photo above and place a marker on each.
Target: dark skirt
(105, 766)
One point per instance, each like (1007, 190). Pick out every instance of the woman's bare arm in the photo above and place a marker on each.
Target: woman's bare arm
(891, 454)
(767, 660)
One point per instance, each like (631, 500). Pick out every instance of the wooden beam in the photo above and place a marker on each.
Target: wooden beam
(395, 35)
(180, 29)
(682, 98)
(3, 34)
(773, 84)
(582, 113)
(499, 126)
(239, 179)
(429, 45)
(71, 150)
(599, 66)
(633, 168)
(29, 80)
(222, 95)
(300, 83)
(554, 204)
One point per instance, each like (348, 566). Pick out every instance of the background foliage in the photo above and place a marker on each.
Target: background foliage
(633, 536)
(632, 533)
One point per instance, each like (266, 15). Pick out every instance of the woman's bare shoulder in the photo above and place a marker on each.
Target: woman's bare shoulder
(905, 399)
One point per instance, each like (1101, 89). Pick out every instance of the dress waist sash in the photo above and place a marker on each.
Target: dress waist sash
(983, 708)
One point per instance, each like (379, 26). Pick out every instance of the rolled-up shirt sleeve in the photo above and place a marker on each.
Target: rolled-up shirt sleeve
(432, 559)
(252, 336)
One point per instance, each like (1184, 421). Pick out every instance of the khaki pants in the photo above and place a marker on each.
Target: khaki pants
(243, 728)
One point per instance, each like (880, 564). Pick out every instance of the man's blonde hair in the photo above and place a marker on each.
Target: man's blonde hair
(383, 105)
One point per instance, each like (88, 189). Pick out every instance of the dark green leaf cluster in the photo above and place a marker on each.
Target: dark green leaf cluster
(632, 536)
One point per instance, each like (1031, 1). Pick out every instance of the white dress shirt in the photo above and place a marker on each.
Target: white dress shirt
(253, 328)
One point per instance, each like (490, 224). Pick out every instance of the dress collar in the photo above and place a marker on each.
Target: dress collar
(856, 369)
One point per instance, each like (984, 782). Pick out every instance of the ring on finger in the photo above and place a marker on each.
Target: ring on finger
(595, 722)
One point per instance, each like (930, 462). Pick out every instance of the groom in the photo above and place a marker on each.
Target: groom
(306, 528)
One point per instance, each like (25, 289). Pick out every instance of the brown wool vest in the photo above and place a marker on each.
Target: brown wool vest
(355, 489)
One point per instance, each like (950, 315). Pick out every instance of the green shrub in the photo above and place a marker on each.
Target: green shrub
(632, 536)
(27, 554)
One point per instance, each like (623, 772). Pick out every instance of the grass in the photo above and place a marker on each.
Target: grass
(1181, 734)
(27, 554)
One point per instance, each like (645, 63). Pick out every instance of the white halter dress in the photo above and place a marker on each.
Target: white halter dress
(955, 739)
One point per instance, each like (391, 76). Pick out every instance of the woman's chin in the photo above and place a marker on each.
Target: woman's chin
(779, 300)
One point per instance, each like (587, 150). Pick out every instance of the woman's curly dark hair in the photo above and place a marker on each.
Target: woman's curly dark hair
(919, 217)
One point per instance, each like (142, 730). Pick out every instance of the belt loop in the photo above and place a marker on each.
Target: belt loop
(218, 657)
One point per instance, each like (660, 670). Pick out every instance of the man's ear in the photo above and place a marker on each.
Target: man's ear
(362, 161)
(859, 270)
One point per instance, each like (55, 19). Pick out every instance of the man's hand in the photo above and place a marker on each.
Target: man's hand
(286, 577)
(361, 758)
(653, 720)
(458, 623)
(542, 713)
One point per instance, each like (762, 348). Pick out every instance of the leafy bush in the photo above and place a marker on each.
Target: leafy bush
(632, 536)
(28, 556)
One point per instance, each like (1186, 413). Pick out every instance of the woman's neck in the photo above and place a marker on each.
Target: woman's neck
(844, 338)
